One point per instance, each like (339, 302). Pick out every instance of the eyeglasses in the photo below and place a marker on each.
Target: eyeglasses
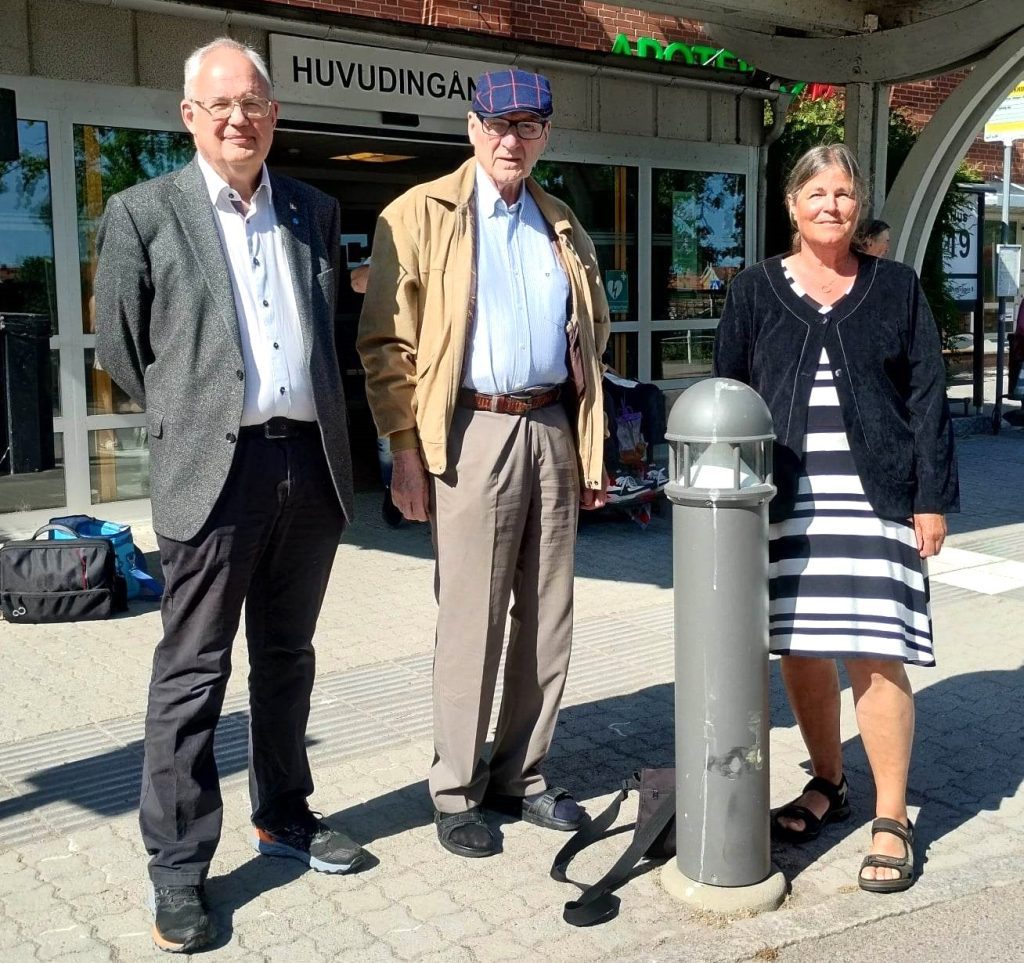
(222, 108)
(525, 129)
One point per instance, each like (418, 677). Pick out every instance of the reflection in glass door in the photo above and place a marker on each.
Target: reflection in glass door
(39, 351)
(31, 451)
(109, 160)
(604, 198)
(698, 227)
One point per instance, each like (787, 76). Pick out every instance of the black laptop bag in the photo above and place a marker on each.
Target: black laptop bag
(73, 579)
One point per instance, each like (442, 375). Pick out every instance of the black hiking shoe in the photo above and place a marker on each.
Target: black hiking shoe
(181, 921)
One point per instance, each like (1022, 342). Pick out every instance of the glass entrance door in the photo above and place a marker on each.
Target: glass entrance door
(31, 440)
(109, 160)
(70, 439)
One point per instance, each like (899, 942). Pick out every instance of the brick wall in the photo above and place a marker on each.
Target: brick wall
(921, 99)
(566, 23)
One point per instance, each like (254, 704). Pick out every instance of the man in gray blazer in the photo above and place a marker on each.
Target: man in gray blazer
(215, 295)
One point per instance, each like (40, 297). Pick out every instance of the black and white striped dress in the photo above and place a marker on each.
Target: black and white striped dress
(843, 582)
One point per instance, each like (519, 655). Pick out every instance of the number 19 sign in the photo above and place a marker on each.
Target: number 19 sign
(960, 259)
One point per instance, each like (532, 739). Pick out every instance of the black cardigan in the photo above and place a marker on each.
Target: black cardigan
(883, 346)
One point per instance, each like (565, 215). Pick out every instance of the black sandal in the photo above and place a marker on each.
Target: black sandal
(838, 810)
(465, 834)
(904, 865)
(538, 810)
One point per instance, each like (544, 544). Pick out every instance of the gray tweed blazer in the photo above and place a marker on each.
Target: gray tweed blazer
(167, 332)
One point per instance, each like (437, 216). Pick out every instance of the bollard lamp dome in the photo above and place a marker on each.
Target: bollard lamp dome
(720, 436)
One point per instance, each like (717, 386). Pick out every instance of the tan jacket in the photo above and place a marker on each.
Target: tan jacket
(419, 307)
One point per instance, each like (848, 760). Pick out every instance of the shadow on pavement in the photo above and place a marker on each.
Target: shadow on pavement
(610, 545)
(229, 893)
(968, 759)
(108, 783)
(394, 812)
(990, 478)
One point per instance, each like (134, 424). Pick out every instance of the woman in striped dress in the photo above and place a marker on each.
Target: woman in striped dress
(845, 352)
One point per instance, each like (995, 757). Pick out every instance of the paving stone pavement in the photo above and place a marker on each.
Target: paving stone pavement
(72, 880)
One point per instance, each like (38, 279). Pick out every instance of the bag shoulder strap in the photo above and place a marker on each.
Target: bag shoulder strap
(588, 834)
(597, 902)
(52, 527)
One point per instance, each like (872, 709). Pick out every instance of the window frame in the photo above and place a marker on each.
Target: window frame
(63, 105)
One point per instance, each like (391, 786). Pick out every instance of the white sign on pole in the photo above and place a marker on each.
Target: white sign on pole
(332, 74)
(960, 258)
(1007, 270)
(1007, 123)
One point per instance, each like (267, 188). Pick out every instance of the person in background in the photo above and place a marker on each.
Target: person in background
(481, 335)
(359, 277)
(873, 238)
(215, 297)
(845, 352)
(1015, 358)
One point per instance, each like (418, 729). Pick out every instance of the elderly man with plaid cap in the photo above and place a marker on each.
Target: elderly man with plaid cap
(481, 334)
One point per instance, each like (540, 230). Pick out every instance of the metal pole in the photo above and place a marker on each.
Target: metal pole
(1003, 320)
(721, 434)
(978, 356)
(720, 560)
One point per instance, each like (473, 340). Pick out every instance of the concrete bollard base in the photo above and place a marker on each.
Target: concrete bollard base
(760, 897)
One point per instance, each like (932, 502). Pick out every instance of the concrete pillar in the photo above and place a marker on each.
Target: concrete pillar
(867, 135)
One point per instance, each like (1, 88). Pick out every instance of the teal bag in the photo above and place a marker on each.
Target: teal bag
(131, 563)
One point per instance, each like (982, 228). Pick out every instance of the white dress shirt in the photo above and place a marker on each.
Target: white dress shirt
(277, 382)
(518, 339)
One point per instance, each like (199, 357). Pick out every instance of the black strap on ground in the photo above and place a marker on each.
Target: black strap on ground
(597, 903)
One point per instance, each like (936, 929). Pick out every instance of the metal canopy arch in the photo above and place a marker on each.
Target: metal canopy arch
(868, 46)
(914, 199)
(894, 55)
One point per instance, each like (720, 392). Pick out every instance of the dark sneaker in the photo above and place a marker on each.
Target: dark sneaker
(181, 921)
(311, 841)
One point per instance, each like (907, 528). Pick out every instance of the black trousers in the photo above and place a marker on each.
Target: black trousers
(269, 543)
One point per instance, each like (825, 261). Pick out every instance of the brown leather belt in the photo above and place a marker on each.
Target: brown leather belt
(518, 403)
(281, 428)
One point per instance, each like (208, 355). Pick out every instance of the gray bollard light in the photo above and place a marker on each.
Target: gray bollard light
(720, 437)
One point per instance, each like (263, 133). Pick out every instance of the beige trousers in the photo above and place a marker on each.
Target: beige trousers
(504, 527)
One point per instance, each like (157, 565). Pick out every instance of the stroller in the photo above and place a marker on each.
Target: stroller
(636, 421)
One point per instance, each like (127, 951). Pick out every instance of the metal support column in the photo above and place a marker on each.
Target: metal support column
(867, 135)
(1005, 320)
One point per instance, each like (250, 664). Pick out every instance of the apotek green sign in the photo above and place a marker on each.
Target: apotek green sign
(695, 54)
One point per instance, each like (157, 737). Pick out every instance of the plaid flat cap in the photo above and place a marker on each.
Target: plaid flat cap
(508, 91)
